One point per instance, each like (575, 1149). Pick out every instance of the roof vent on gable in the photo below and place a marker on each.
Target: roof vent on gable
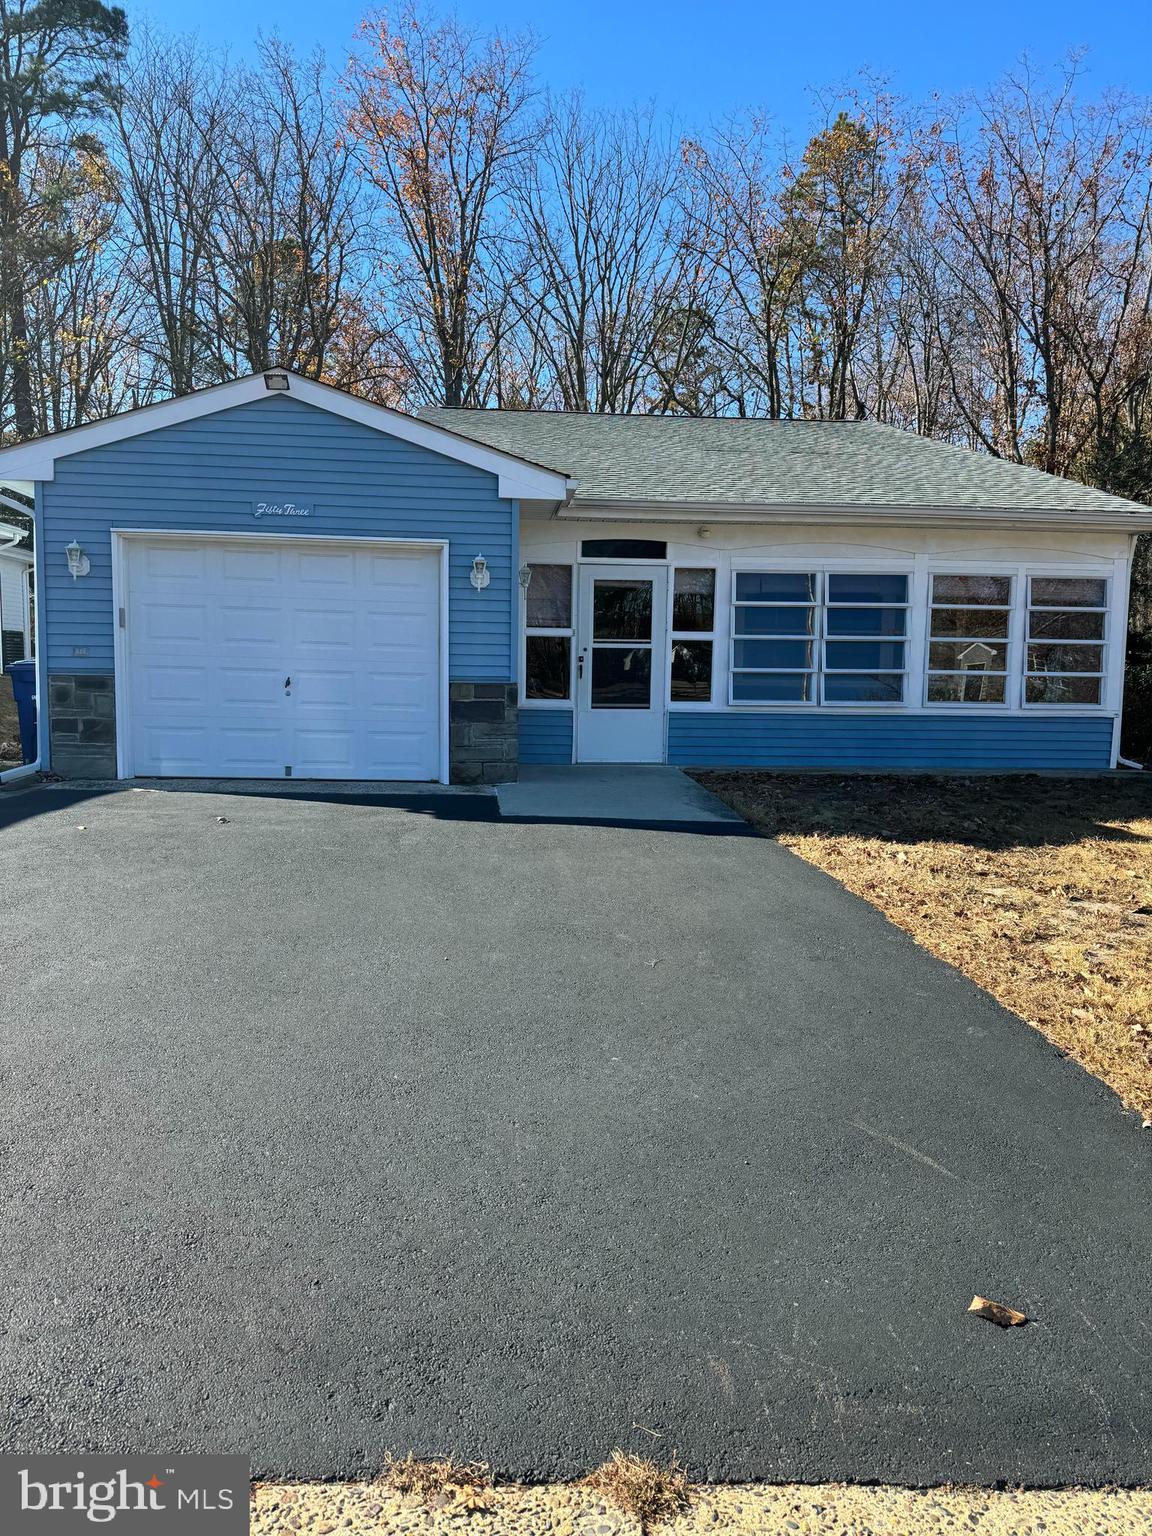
(277, 380)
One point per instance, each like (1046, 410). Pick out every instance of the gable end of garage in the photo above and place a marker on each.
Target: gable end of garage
(272, 471)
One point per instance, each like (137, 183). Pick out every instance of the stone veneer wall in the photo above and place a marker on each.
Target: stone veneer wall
(82, 725)
(483, 746)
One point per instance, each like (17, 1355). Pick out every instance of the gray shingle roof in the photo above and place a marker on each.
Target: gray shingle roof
(736, 461)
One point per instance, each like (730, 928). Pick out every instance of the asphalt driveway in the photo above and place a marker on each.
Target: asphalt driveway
(335, 1128)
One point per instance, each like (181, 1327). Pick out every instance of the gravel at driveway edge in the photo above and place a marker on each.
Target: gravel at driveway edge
(356, 1509)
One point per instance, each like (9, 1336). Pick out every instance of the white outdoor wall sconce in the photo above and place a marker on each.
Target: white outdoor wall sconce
(78, 562)
(525, 574)
(480, 575)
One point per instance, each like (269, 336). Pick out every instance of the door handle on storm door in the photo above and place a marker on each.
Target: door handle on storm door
(580, 665)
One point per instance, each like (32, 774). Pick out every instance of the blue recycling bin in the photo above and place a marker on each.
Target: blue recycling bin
(23, 675)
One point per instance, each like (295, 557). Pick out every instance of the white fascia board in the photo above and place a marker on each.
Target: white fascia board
(910, 517)
(518, 479)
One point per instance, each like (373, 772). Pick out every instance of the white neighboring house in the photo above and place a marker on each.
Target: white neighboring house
(15, 595)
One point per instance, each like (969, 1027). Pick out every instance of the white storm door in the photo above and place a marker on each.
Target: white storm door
(621, 661)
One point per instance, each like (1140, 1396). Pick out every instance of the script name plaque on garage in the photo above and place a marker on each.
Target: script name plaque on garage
(282, 507)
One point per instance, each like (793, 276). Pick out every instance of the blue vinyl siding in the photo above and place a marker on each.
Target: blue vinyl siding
(203, 476)
(545, 735)
(978, 741)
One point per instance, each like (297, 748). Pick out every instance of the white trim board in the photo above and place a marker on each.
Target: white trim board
(716, 514)
(122, 537)
(518, 478)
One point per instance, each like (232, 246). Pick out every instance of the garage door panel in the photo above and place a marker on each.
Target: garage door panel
(174, 622)
(251, 751)
(181, 563)
(261, 686)
(248, 625)
(174, 748)
(405, 629)
(334, 571)
(261, 567)
(395, 690)
(399, 567)
(325, 753)
(315, 688)
(396, 754)
(177, 686)
(215, 630)
(323, 629)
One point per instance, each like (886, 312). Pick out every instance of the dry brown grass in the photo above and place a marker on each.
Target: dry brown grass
(363, 1509)
(463, 1485)
(641, 1488)
(9, 724)
(1038, 889)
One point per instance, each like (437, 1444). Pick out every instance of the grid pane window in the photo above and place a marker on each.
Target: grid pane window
(772, 662)
(807, 637)
(866, 620)
(1064, 655)
(968, 635)
(548, 634)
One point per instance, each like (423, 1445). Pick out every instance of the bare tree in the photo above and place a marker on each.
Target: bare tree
(176, 109)
(599, 243)
(740, 234)
(289, 239)
(441, 120)
(1043, 214)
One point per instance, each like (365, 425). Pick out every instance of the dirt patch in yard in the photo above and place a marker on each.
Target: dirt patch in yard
(1038, 889)
(357, 1509)
(9, 726)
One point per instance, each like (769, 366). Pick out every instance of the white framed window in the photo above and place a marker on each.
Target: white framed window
(692, 645)
(1065, 640)
(775, 635)
(546, 669)
(969, 639)
(865, 638)
(819, 637)
(1017, 639)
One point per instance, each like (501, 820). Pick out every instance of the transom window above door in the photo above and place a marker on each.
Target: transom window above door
(819, 637)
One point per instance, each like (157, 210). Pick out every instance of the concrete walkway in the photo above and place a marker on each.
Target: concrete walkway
(612, 794)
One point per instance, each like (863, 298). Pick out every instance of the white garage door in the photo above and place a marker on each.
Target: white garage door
(253, 659)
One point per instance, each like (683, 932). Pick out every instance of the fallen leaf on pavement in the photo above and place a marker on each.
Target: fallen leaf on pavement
(996, 1312)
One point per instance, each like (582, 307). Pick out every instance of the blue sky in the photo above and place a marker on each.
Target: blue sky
(704, 60)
